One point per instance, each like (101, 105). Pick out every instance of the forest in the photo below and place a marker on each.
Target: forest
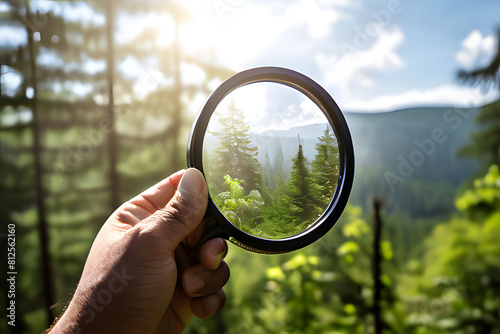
(88, 120)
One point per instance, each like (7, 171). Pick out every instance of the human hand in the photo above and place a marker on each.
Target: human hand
(144, 273)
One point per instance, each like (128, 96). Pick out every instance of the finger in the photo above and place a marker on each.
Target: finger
(212, 253)
(205, 307)
(184, 211)
(131, 214)
(198, 281)
(157, 196)
(149, 201)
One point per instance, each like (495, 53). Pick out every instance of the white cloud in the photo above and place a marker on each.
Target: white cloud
(192, 74)
(262, 113)
(358, 67)
(447, 94)
(239, 32)
(316, 16)
(251, 100)
(234, 39)
(476, 50)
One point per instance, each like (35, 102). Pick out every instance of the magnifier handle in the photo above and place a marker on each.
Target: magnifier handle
(211, 229)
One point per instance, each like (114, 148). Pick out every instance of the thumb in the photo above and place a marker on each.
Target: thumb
(184, 212)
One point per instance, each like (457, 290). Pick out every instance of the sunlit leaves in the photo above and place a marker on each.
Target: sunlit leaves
(386, 250)
(350, 309)
(485, 194)
(233, 204)
(356, 228)
(275, 274)
(348, 247)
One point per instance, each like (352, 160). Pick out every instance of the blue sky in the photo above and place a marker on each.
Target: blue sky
(370, 55)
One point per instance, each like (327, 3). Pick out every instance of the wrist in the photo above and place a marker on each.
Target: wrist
(81, 317)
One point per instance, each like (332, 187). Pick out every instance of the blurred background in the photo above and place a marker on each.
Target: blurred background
(97, 99)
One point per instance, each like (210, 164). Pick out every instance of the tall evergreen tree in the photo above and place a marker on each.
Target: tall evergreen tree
(300, 191)
(235, 155)
(269, 173)
(325, 166)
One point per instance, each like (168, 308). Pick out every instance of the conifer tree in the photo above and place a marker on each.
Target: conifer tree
(325, 167)
(299, 191)
(268, 173)
(235, 155)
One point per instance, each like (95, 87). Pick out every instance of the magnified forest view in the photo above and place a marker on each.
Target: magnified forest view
(96, 102)
(273, 201)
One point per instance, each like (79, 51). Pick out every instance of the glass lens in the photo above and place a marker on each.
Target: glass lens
(271, 160)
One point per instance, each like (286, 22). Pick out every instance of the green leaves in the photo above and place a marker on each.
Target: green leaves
(348, 247)
(242, 211)
(484, 195)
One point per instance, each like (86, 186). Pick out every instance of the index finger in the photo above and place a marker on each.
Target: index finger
(157, 196)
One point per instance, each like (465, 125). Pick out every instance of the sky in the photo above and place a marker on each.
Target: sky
(369, 55)
(268, 106)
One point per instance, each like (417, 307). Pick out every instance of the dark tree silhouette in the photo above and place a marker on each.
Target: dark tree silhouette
(485, 143)
(487, 75)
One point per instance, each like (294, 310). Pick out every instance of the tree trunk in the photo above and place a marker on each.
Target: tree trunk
(112, 147)
(40, 203)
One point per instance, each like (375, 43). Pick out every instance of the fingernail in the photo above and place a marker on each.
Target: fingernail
(193, 283)
(191, 183)
(192, 189)
(219, 259)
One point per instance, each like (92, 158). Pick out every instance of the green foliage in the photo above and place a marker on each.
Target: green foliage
(324, 288)
(484, 196)
(242, 211)
(455, 288)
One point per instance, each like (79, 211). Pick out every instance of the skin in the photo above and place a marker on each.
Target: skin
(145, 272)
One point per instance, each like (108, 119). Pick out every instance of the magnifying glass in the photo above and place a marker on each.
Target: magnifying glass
(278, 158)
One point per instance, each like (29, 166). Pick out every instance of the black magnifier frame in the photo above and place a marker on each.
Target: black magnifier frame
(216, 225)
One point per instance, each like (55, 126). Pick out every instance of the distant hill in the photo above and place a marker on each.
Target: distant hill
(409, 157)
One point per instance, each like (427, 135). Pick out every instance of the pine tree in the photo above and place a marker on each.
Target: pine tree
(235, 155)
(299, 191)
(325, 167)
(269, 173)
